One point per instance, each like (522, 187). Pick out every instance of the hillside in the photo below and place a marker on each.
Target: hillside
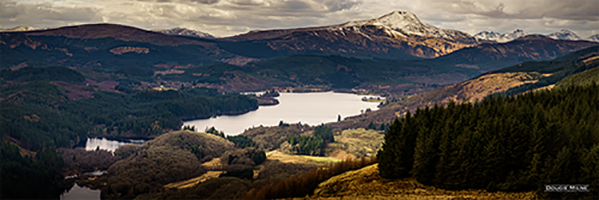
(366, 183)
(515, 79)
(489, 57)
(581, 79)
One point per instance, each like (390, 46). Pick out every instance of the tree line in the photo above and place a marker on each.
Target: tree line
(513, 143)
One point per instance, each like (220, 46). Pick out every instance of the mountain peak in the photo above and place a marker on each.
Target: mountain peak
(594, 38)
(407, 24)
(394, 20)
(564, 34)
(516, 34)
(399, 19)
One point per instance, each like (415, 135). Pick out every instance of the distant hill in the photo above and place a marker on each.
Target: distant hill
(184, 32)
(488, 57)
(512, 80)
(106, 46)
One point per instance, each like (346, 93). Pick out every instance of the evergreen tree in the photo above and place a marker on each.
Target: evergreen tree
(501, 143)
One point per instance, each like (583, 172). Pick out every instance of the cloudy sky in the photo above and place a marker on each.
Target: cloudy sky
(232, 17)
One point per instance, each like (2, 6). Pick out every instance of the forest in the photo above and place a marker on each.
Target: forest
(40, 113)
(511, 143)
(20, 174)
(39, 116)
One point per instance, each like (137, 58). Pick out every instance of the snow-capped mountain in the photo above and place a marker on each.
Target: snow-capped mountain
(564, 34)
(518, 33)
(19, 28)
(26, 28)
(594, 38)
(184, 32)
(397, 35)
(488, 35)
(499, 37)
(405, 23)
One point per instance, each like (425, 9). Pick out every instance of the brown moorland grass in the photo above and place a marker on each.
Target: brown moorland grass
(366, 183)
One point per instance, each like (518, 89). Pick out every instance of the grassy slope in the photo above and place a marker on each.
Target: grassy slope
(365, 183)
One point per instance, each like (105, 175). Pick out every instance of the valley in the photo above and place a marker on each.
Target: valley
(452, 108)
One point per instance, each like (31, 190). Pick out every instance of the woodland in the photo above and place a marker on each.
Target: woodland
(507, 143)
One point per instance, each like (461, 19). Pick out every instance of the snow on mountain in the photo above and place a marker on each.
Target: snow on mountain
(184, 32)
(518, 33)
(564, 34)
(19, 29)
(407, 24)
(499, 37)
(488, 35)
(594, 38)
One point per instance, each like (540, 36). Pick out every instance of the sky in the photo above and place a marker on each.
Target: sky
(223, 18)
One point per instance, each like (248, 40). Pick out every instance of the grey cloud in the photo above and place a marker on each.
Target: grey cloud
(229, 17)
(248, 2)
(269, 14)
(206, 1)
(530, 9)
(293, 7)
(44, 14)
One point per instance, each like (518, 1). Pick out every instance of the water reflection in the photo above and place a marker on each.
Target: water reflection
(109, 144)
(78, 193)
(94, 173)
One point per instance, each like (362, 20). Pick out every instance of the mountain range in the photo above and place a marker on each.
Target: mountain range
(397, 45)
(563, 34)
(498, 37)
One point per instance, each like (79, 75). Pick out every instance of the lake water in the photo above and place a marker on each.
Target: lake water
(307, 108)
(109, 144)
(78, 193)
(91, 144)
